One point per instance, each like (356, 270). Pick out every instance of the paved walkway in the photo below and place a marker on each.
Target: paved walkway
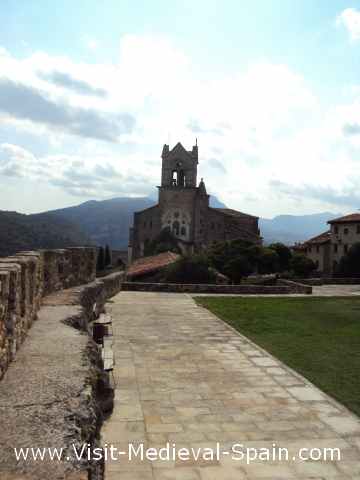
(185, 377)
(336, 290)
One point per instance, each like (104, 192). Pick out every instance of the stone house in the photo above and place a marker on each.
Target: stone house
(183, 207)
(318, 249)
(327, 249)
(345, 231)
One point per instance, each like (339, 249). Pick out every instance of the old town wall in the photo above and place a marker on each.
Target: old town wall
(25, 279)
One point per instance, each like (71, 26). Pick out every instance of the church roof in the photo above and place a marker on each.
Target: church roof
(148, 208)
(233, 213)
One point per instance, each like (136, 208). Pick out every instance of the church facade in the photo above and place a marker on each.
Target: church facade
(184, 208)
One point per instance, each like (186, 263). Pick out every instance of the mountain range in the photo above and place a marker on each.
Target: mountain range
(108, 222)
(290, 229)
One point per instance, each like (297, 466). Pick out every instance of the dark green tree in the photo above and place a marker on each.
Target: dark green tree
(237, 268)
(284, 254)
(120, 263)
(100, 260)
(301, 265)
(107, 259)
(268, 261)
(164, 242)
(221, 253)
(190, 269)
(350, 263)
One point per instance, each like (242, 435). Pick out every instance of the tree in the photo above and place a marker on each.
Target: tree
(190, 269)
(268, 261)
(221, 253)
(350, 263)
(301, 265)
(284, 254)
(237, 268)
(163, 242)
(107, 259)
(100, 260)
(120, 263)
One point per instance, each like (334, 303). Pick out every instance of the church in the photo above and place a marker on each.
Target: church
(183, 207)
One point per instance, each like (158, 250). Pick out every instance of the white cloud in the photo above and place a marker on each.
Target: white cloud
(3, 52)
(256, 125)
(95, 177)
(15, 160)
(350, 19)
(90, 43)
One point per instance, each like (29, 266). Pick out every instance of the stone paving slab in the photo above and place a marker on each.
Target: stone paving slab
(183, 376)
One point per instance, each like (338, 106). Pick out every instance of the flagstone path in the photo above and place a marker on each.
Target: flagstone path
(185, 377)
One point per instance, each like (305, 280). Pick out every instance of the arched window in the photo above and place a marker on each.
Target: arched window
(176, 228)
(181, 178)
(178, 178)
(183, 231)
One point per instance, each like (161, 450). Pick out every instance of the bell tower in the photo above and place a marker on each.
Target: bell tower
(179, 167)
(178, 192)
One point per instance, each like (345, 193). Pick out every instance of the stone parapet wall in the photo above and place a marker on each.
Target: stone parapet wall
(57, 392)
(287, 289)
(25, 278)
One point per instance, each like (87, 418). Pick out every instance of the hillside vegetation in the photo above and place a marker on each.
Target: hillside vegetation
(27, 232)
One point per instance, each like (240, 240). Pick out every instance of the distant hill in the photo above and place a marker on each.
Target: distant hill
(289, 229)
(108, 221)
(27, 232)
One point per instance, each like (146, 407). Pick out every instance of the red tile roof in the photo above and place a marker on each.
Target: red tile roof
(322, 238)
(151, 264)
(353, 217)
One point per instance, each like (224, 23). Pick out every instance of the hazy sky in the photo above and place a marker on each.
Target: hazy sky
(90, 91)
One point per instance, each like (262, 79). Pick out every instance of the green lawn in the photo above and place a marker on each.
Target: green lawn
(318, 337)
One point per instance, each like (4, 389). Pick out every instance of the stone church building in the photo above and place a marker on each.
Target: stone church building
(183, 207)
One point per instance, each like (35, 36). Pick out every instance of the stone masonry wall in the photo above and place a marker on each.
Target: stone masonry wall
(286, 288)
(28, 276)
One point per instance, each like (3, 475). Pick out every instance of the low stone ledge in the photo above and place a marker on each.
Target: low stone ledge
(330, 281)
(292, 287)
